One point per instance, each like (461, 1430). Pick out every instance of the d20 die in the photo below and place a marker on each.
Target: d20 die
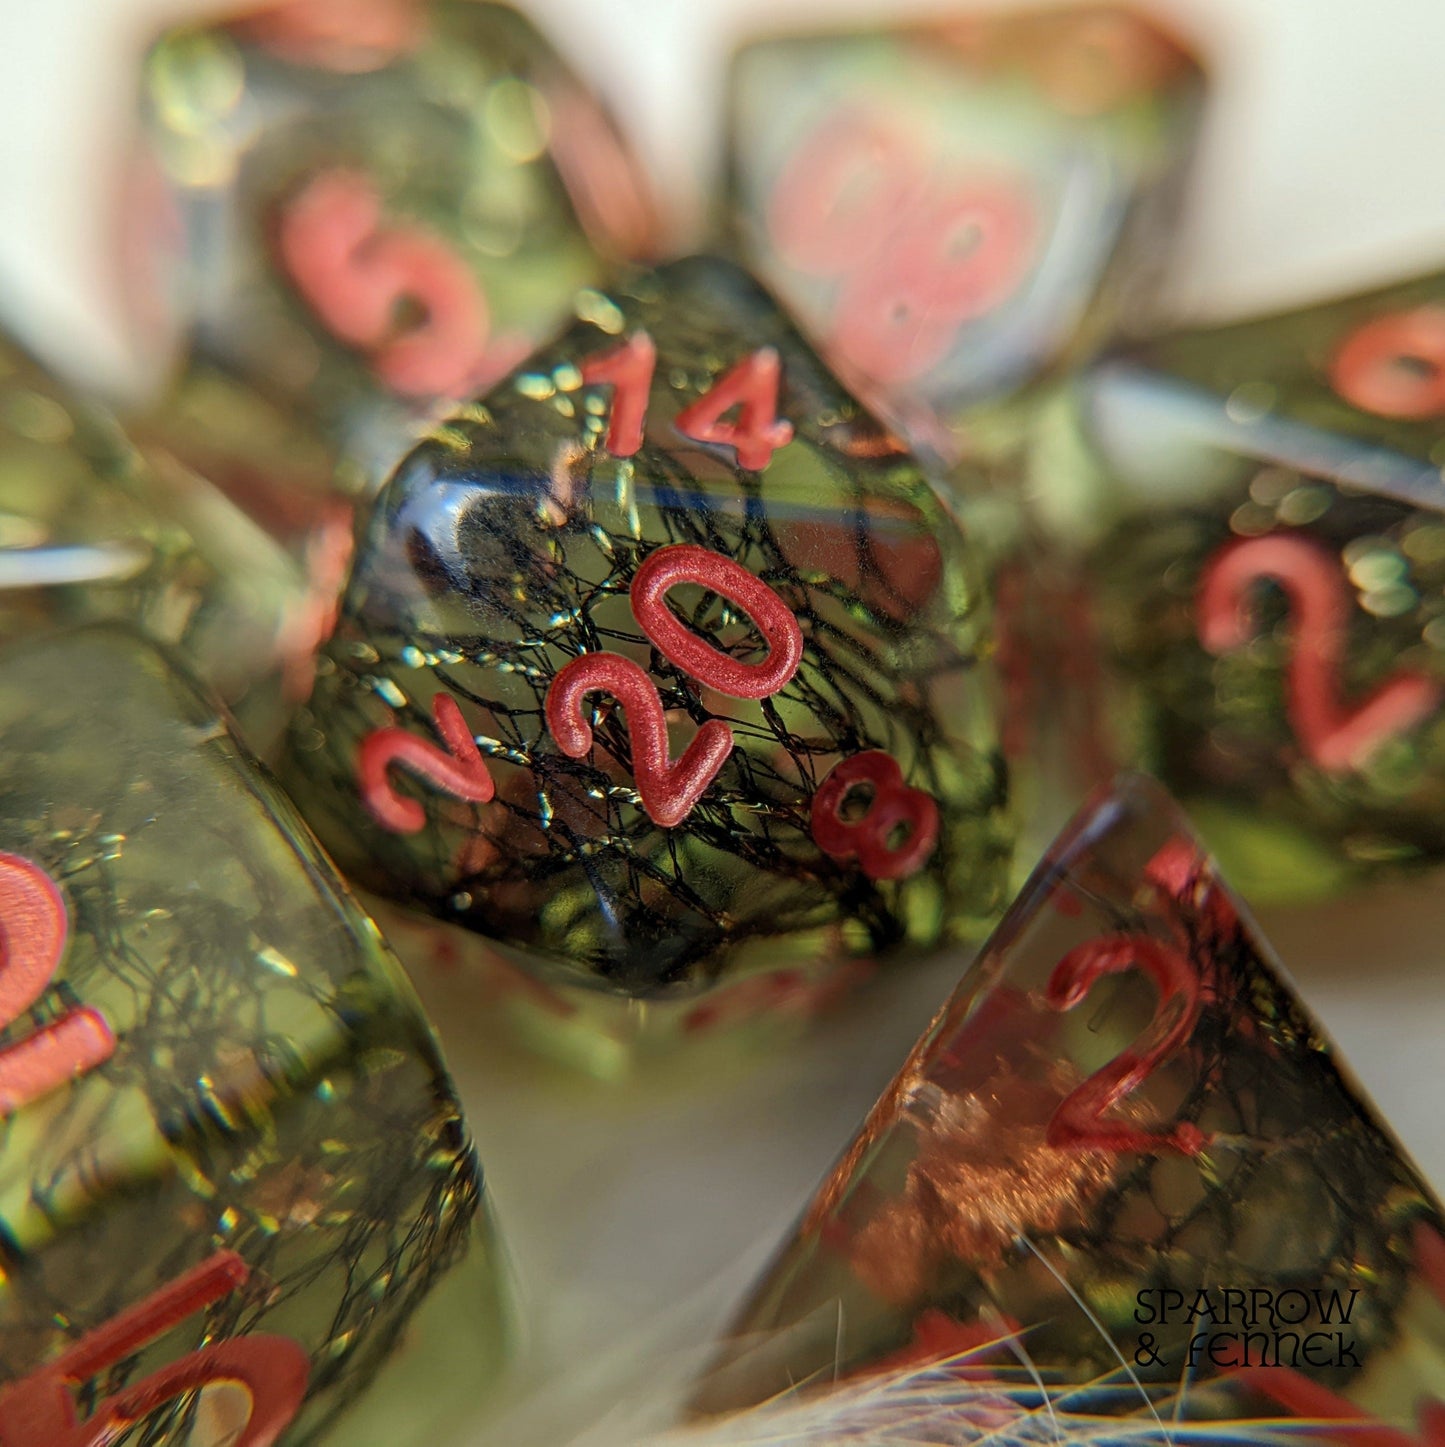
(356, 210)
(1263, 522)
(951, 208)
(664, 658)
(229, 1151)
(1124, 1172)
(90, 529)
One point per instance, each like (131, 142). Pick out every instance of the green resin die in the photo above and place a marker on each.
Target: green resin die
(662, 665)
(228, 1143)
(954, 208)
(1262, 518)
(1123, 1173)
(353, 210)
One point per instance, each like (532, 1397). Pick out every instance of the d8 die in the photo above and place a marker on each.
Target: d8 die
(229, 1152)
(1264, 521)
(90, 529)
(662, 661)
(951, 208)
(1123, 1173)
(359, 209)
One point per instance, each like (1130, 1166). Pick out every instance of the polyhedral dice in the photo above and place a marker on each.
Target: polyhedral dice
(952, 208)
(1123, 1172)
(229, 1152)
(1263, 522)
(91, 530)
(358, 207)
(662, 665)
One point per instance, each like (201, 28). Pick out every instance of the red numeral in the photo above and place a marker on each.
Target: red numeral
(688, 563)
(751, 387)
(33, 928)
(1080, 1122)
(462, 772)
(628, 371)
(916, 259)
(873, 838)
(357, 274)
(1394, 365)
(668, 790)
(842, 192)
(1333, 736)
(273, 1369)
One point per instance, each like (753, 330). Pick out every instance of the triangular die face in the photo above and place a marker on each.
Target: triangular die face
(818, 606)
(1124, 1099)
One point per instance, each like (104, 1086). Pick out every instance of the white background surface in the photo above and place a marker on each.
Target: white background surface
(634, 1215)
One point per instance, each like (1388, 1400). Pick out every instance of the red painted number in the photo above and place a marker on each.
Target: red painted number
(1394, 365)
(273, 1369)
(360, 276)
(1080, 1122)
(33, 929)
(461, 772)
(895, 833)
(628, 371)
(687, 563)
(915, 257)
(668, 790)
(751, 387)
(1334, 736)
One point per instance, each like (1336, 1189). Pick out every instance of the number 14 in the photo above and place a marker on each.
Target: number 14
(751, 386)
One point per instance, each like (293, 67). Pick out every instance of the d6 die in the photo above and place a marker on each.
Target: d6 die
(1264, 521)
(229, 1151)
(952, 208)
(662, 661)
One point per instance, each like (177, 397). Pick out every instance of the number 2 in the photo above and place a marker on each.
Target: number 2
(274, 1370)
(33, 929)
(462, 772)
(1079, 1123)
(1335, 737)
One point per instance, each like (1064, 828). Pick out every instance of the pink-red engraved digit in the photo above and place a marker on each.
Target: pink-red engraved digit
(752, 387)
(33, 929)
(688, 563)
(354, 273)
(273, 1369)
(461, 772)
(628, 371)
(1336, 737)
(958, 258)
(1394, 365)
(870, 837)
(1082, 1121)
(668, 790)
(842, 191)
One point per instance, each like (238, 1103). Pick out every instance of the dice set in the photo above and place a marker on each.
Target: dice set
(618, 649)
